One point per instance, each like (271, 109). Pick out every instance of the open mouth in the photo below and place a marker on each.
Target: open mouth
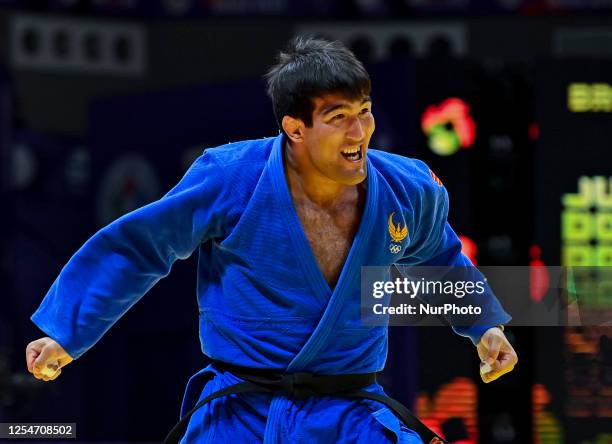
(352, 154)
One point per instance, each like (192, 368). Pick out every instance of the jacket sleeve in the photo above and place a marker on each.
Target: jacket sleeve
(123, 260)
(434, 244)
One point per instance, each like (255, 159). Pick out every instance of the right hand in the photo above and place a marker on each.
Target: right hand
(45, 351)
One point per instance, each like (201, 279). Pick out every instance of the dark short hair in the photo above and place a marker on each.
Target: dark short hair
(309, 68)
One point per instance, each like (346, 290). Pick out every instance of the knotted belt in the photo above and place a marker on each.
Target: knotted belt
(303, 385)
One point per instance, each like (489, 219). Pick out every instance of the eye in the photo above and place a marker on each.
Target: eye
(364, 111)
(338, 117)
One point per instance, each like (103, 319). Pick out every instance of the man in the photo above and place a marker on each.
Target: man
(283, 226)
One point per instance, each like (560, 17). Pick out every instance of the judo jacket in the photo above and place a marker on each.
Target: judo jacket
(263, 301)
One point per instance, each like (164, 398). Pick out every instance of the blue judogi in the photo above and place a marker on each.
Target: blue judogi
(263, 301)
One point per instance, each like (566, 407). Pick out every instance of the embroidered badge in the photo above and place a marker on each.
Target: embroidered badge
(397, 233)
(435, 178)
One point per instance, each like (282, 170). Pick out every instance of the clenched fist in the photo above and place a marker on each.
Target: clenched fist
(45, 359)
(496, 354)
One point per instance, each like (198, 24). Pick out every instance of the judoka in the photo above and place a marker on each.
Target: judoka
(282, 226)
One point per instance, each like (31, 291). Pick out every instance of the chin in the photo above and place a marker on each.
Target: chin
(354, 178)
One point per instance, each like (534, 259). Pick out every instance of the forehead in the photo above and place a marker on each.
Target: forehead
(330, 101)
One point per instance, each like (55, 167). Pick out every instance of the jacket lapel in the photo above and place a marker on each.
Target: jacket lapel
(332, 301)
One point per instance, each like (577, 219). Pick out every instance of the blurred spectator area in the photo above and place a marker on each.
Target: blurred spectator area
(68, 52)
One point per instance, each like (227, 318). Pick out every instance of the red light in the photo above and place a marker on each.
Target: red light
(533, 131)
(457, 399)
(469, 248)
(446, 141)
(538, 275)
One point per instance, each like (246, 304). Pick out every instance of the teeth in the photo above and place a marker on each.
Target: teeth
(350, 150)
(353, 156)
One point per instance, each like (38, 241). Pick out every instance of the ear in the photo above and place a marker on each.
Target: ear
(294, 128)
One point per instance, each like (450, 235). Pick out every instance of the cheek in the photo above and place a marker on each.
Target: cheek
(330, 142)
(324, 147)
(371, 124)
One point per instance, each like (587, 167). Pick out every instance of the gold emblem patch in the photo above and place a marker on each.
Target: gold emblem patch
(397, 233)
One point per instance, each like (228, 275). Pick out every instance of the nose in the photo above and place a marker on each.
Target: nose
(356, 132)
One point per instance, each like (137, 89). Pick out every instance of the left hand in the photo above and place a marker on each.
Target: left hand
(45, 359)
(495, 350)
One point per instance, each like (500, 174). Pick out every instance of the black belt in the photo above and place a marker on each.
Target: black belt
(302, 385)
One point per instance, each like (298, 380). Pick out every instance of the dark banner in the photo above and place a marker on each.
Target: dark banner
(307, 8)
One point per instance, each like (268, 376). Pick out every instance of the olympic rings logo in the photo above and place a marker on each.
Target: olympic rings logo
(394, 248)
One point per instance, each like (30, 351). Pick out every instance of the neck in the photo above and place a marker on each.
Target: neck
(306, 181)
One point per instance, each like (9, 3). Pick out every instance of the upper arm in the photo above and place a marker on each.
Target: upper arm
(123, 260)
(434, 242)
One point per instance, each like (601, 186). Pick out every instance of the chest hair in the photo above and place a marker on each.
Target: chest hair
(330, 233)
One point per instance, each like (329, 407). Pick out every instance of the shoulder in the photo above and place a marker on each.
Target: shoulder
(237, 165)
(406, 174)
(234, 169)
(249, 154)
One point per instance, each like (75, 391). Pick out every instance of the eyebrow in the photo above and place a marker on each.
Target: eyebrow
(331, 108)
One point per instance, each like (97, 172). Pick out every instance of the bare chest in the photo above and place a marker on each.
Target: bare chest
(330, 235)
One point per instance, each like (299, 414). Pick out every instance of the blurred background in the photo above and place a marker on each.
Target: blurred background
(104, 104)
